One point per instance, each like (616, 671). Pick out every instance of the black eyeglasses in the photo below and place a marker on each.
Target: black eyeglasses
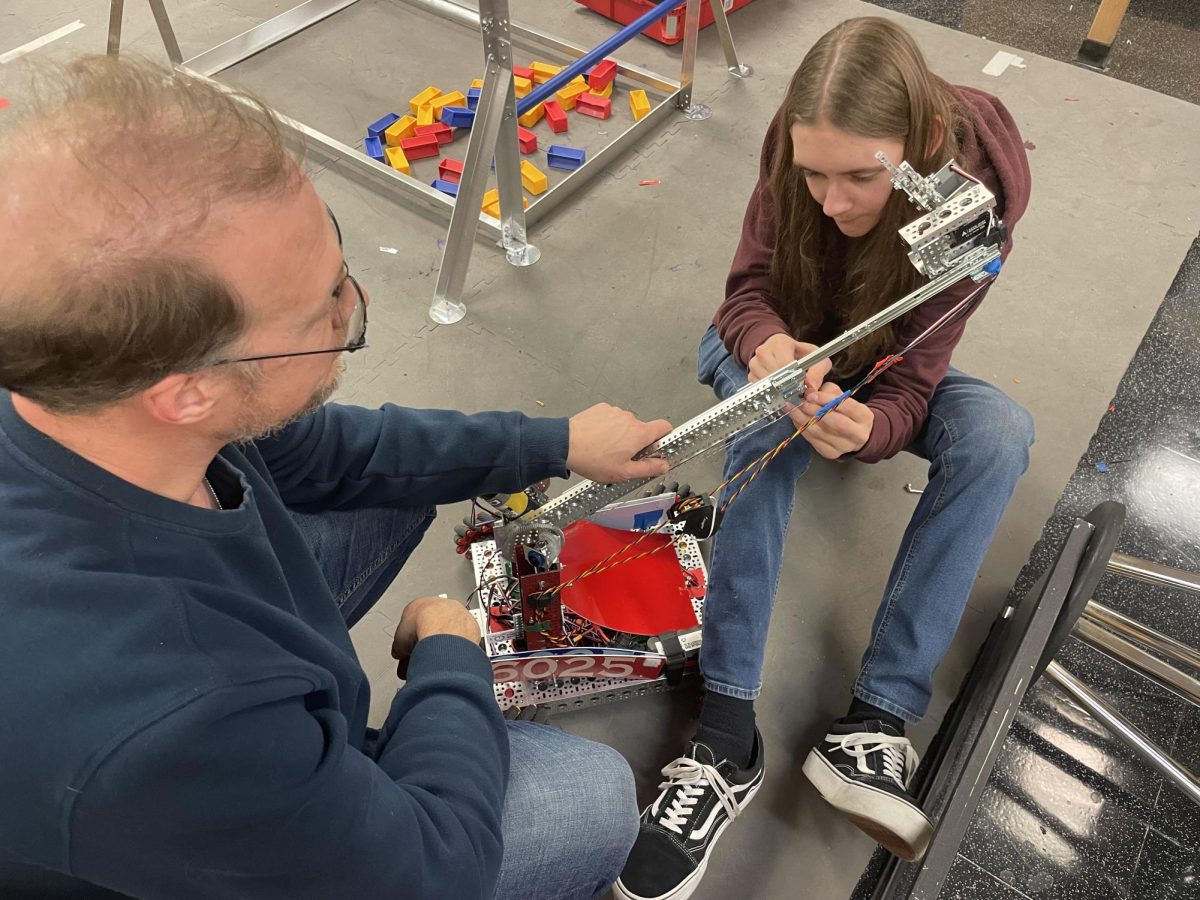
(355, 322)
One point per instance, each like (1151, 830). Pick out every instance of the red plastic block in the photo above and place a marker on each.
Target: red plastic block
(450, 170)
(602, 75)
(594, 106)
(522, 72)
(527, 139)
(556, 117)
(444, 133)
(420, 147)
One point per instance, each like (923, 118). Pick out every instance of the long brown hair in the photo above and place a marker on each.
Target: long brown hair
(868, 78)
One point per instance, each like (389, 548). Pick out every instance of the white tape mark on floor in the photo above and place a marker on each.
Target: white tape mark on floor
(1001, 61)
(40, 42)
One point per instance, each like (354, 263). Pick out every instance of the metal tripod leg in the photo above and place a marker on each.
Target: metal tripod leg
(163, 21)
(731, 56)
(116, 12)
(691, 37)
(493, 135)
(497, 42)
(116, 15)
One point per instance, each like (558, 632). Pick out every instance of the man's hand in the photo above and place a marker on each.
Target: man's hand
(844, 429)
(780, 349)
(427, 616)
(603, 440)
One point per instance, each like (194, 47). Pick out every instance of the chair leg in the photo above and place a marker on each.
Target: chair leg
(1094, 50)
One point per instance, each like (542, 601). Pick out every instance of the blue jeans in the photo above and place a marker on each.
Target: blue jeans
(977, 442)
(570, 815)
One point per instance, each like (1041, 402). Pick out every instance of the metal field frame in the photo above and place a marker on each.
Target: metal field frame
(494, 133)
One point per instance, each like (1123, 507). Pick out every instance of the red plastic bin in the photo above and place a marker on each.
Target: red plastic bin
(667, 30)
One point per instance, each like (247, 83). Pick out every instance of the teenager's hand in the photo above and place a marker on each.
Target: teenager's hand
(842, 430)
(427, 616)
(603, 440)
(780, 349)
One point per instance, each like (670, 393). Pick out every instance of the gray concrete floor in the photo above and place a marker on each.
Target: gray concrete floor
(629, 279)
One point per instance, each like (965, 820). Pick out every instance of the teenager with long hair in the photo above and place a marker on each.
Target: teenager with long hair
(819, 253)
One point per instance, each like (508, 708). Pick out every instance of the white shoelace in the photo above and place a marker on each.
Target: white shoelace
(692, 778)
(900, 760)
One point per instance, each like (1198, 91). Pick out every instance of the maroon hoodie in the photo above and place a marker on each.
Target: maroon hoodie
(991, 149)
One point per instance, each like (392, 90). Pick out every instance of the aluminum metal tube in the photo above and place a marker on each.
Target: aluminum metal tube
(1153, 573)
(1174, 650)
(453, 11)
(447, 306)
(260, 37)
(1126, 731)
(601, 50)
(116, 13)
(166, 31)
(691, 40)
(1134, 656)
(731, 57)
(972, 261)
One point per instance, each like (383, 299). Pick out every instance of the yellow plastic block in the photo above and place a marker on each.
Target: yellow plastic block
(543, 72)
(534, 116)
(569, 94)
(397, 160)
(426, 96)
(477, 83)
(607, 92)
(404, 127)
(639, 104)
(425, 114)
(454, 98)
(491, 202)
(522, 85)
(533, 178)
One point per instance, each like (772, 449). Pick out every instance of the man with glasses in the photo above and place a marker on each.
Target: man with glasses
(188, 530)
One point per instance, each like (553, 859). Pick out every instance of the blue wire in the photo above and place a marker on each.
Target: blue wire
(831, 404)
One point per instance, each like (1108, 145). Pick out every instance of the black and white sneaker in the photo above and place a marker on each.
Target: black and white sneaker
(863, 769)
(699, 799)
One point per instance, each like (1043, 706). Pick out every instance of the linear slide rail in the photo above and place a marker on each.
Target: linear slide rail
(759, 401)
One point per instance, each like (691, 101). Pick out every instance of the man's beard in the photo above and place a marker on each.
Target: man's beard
(255, 423)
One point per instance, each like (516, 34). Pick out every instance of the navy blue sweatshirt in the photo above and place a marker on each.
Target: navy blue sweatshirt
(183, 712)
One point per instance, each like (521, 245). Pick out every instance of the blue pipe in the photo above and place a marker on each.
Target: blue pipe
(601, 50)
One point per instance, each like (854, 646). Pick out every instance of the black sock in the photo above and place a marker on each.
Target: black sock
(727, 728)
(862, 711)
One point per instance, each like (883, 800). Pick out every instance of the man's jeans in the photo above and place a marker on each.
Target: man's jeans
(977, 442)
(570, 816)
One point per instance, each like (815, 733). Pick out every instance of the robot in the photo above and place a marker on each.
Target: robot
(590, 597)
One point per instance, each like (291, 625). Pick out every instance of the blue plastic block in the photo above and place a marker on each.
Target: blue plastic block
(559, 156)
(473, 97)
(374, 148)
(376, 129)
(446, 187)
(458, 116)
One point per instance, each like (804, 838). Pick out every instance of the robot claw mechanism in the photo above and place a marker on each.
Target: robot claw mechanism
(589, 597)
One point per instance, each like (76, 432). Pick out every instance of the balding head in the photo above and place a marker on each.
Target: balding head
(111, 192)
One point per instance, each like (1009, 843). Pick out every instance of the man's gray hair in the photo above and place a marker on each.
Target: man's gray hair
(105, 187)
